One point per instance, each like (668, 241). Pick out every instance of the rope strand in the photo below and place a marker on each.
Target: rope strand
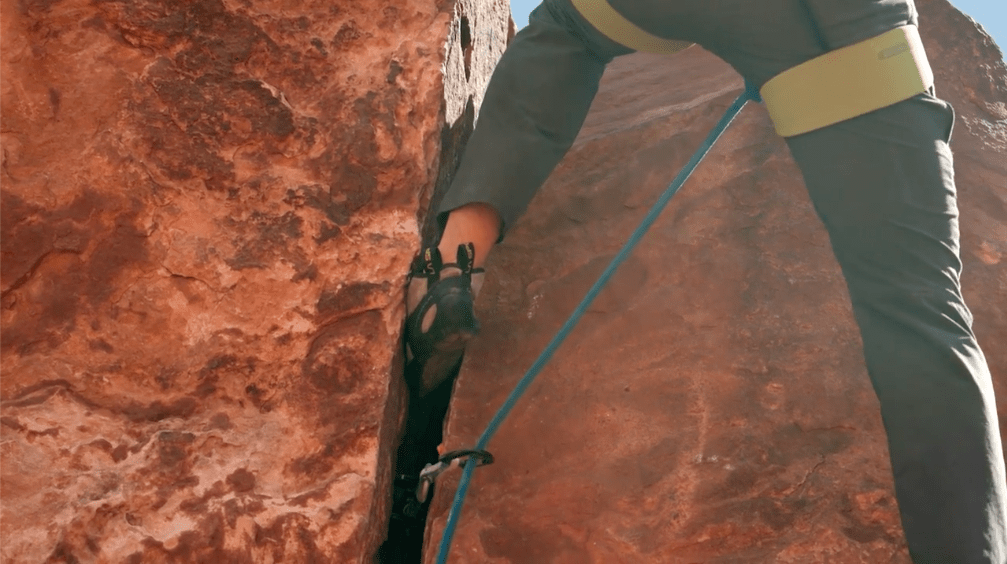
(750, 93)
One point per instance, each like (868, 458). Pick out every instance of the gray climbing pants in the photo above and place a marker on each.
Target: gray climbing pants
(883, 185)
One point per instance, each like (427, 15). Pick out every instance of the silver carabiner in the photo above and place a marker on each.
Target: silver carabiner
(449, 460)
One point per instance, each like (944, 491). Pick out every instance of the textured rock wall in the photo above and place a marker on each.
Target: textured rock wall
(208, 209)
(713, 404)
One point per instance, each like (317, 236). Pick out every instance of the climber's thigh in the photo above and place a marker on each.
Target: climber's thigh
(883, 184)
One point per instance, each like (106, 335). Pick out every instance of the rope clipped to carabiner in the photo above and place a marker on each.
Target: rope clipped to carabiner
(750, 93)
(448, 461)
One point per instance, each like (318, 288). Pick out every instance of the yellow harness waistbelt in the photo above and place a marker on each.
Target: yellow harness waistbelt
(839, 85)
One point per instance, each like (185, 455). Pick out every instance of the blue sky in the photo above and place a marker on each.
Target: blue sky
(991, 14)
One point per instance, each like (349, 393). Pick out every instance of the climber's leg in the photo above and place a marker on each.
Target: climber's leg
(534, 107)
(883, 184)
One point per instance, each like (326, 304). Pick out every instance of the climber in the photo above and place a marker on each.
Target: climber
(882, 183)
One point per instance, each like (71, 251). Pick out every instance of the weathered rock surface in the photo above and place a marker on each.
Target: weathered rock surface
(713, 405)
(208, 210)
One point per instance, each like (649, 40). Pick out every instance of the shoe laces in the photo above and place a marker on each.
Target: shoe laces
(429, 264)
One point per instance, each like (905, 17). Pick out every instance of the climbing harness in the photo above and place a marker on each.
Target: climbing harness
(839, 85)
(849, 82)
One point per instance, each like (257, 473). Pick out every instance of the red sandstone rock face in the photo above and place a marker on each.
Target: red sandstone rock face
(208, 210)
(713, 404)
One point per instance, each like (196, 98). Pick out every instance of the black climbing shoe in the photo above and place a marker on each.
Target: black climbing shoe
(440, 319)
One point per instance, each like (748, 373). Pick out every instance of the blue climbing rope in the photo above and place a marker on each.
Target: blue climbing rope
(750, 93)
